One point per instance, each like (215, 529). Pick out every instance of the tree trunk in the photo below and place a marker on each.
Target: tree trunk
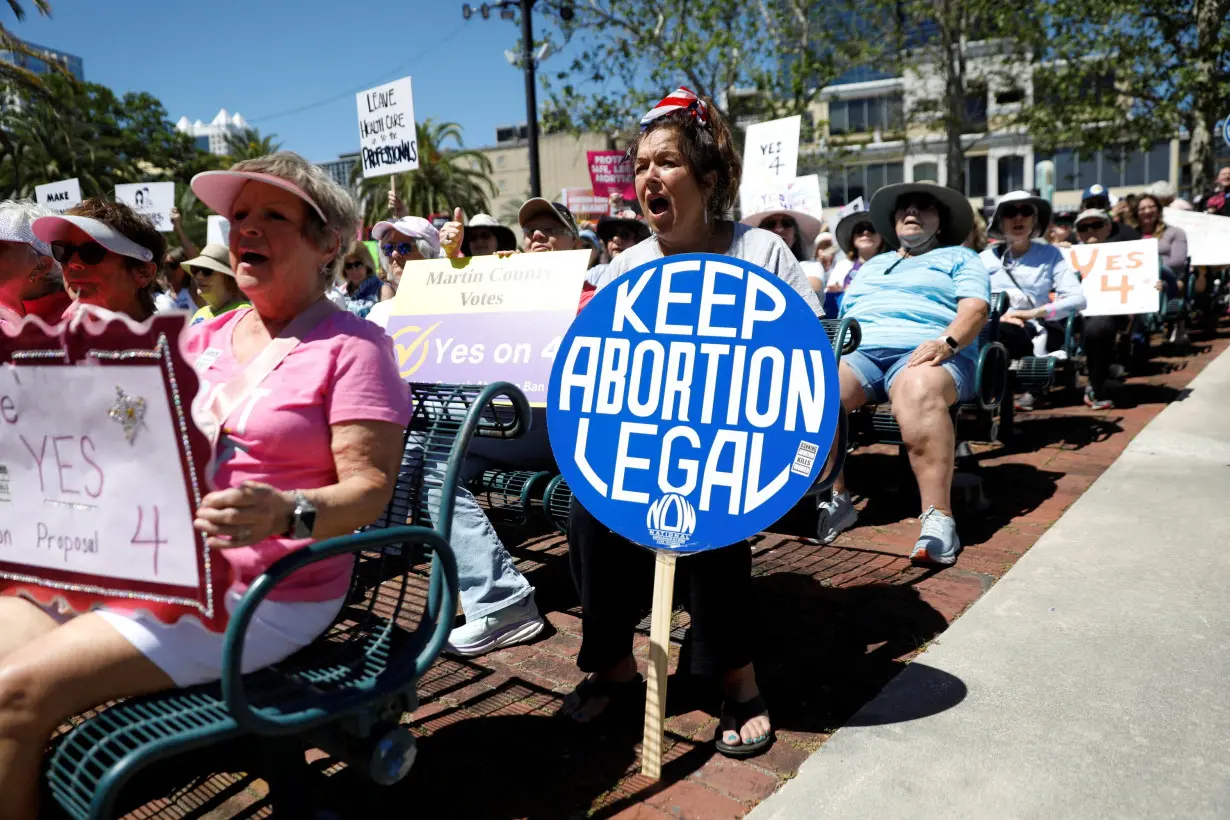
(954, 93)
(1206, 105)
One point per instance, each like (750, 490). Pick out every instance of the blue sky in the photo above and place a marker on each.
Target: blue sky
(264, 58)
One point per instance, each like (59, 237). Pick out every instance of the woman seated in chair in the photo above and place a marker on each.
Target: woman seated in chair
(313, 453)
(921, 310)
(1029, 270)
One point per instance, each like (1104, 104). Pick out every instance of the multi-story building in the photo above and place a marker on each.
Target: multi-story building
(562, 163)
(41, 64)
(342, 169)
(870, 137)
(212, 137)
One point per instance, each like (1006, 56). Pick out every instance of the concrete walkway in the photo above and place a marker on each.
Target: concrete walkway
(1092, 681)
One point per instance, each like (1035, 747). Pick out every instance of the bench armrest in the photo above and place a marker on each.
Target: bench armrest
(991, 375)
(400, 670)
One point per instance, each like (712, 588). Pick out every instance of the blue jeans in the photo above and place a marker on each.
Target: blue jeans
(877, 368)
(486, 575)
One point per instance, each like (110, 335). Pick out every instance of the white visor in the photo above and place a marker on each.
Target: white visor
(61, 229)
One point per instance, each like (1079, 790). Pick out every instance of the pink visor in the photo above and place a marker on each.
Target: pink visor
(219, 189)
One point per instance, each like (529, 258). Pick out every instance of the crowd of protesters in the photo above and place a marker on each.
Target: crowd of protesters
(317, 450)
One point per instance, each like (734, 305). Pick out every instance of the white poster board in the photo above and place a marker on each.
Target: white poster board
(1118, 277)
(217, 230)
(1208, 235)
(771, 153)
(388, 141)
(58, 196)
(800, 193)
(153, 199)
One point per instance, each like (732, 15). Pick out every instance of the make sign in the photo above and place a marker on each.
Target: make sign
(693, 402)
(1118, 277)
(102, 470)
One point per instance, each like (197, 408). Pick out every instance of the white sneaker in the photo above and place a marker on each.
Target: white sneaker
(938, 542)
(513, 624)
(837, 514)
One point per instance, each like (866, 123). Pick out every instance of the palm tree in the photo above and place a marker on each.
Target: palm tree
(447, 177)
(16, 78)
(249, 144)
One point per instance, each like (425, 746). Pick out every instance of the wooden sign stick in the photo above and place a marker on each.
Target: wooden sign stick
(659, 655)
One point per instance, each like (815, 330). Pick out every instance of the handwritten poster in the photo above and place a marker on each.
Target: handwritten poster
(611, 172)
(1208, 235)
(97, 494)
(801, 194)
(1118, 277)
(484, 319)
(388, 141)
(217, 230)
(152, 199)
(771, 153)
(58, 196)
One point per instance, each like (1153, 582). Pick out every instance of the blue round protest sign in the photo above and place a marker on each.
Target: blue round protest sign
(693, 402)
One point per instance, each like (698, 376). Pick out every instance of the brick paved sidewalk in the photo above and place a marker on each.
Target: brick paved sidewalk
(839, 622)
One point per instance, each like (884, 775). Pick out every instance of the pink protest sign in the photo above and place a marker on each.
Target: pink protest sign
(102, 469)
(611, 172)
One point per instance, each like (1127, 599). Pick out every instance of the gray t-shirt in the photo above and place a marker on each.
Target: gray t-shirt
(754, 245)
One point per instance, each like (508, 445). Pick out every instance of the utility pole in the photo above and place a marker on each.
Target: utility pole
(531, 95)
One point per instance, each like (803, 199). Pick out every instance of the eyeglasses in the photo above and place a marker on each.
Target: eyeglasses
(1085, 227)
(556, 231)
(1013, 211)
(357, 264)
(864, 228)
(922, 202)
(90, 253)
(772, 222)
(402, 248)
(204, 273)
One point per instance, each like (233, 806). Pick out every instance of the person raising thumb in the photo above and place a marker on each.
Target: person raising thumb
(451, 235)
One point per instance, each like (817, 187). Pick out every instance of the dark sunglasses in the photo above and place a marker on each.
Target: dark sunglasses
(555, 231)
(864, 228)
(357, 264)
(402, 248)
(922, 202)
(205, 272)
(772, 222)
(1091, 226)
(90, 253)
(1013, 211)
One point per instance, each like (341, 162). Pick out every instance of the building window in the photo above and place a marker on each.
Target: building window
(853, 181)
(1010, 172)
(1010, 96)
(976, 176)
(926, 172)
(975, 110)
(1088, 171)
(866, 114)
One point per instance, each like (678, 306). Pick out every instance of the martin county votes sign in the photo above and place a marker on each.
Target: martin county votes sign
(484, 319)
(693, 402)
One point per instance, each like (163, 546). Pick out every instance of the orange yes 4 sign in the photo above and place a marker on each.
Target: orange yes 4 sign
(1123, 288)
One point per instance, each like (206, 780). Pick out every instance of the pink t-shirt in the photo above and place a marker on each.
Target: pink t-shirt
(342, 371)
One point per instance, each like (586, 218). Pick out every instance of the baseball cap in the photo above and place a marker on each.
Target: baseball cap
(1093, 213)
(1096, 191)
(219, 189)
(539, 206)
(64, 228)
(16, 226)
(412, 226)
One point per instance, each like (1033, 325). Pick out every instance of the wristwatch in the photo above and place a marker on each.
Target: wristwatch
(303, 520)
(952, 343)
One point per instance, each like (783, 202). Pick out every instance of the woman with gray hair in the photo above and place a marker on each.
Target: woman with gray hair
(311, 451)
(409, 239)
(31, 281)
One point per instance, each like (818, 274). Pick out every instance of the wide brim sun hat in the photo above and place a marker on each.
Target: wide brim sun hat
(1042, 209)
(505, 239)
(956, 218)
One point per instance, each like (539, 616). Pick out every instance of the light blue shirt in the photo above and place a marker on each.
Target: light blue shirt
(901, 302)
(1043, 268)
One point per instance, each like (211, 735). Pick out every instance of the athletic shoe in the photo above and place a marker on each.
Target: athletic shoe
(1024, 402)
(504, 627)
(1095, 403)
(837, 513)
(938, 542)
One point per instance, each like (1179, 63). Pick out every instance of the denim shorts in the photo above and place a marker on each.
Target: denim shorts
(877, 368)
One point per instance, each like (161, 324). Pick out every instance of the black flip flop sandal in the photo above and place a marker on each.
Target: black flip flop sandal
(742, 713)
(621, 696)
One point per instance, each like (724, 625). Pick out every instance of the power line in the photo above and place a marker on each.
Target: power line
(384, 76)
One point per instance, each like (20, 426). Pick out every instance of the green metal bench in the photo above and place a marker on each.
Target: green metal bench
(1038, 374)
(977, 420)
(509, 494)
(556, 501)
(347, 691)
